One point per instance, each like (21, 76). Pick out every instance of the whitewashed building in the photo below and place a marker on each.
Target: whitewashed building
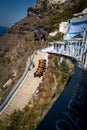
(56, 1)
(77, 28)
(63, 27)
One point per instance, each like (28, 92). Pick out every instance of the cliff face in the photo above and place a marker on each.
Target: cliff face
(24, 37)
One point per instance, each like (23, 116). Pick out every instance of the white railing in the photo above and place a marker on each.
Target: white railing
(12, 92)
(77, 52)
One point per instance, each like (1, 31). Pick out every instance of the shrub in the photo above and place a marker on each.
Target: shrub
(38, 122)
(26, 108)
(64, 67)
(64, 80)
(46, 106)
(31, 127)
(56, 60)
(15, 119)
(56, 74)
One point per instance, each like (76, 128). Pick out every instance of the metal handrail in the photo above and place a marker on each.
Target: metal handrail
(12, 92)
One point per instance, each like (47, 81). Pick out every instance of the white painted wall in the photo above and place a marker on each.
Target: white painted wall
(56, 1)
(63, 27)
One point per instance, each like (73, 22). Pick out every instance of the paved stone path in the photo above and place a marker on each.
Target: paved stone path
(26, 89)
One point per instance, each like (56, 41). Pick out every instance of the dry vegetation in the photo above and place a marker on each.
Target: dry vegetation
(54, 81)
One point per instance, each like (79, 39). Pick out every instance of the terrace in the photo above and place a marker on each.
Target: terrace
(75, 41)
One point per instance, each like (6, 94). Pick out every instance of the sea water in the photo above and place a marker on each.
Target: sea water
(3, 30)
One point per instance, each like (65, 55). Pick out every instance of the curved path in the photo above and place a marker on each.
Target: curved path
(26, 89)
